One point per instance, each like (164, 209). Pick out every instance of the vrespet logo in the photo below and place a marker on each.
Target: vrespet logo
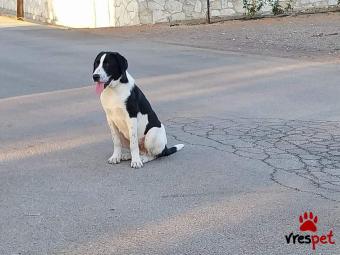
(308, 223)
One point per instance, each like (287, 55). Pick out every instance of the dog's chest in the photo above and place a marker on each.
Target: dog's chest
(114, 106)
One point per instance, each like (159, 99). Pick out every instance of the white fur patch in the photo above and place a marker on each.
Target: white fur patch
(179, 146)
(100, 70)
(155, 140)
(142, 121)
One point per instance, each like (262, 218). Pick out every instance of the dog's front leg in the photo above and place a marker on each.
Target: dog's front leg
(117, 146)
(136, 161)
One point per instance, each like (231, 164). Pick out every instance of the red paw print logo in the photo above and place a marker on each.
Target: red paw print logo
(308, 222)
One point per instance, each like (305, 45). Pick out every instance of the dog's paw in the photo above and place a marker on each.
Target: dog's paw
(114, 159)
(126, 156)
(146, 158)
(136, 163)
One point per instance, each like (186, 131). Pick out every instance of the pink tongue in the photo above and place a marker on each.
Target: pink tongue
(99, 87)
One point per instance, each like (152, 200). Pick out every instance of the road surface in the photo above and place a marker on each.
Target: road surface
(261, 135)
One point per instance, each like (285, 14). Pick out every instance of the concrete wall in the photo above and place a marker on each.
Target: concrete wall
(103, 13)
(8, 5)
(71, 13)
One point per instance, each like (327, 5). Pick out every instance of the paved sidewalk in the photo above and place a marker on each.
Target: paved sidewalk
(13, 22)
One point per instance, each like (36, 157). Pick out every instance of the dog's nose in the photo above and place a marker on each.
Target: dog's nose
(96, 77)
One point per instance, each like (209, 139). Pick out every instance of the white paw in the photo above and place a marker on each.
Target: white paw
(115, 158)
(136, 163)
(146, 158)
(126, 156)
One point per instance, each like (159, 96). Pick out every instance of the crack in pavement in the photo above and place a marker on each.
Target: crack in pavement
(303, 155)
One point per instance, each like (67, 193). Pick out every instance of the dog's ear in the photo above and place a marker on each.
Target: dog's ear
(123, 64)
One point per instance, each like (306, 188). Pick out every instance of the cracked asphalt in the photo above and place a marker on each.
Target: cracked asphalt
(308, 151)
(261, 131)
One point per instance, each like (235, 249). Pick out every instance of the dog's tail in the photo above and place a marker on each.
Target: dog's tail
(168, 151)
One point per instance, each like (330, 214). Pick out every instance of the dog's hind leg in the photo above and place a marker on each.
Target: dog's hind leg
(155, 141)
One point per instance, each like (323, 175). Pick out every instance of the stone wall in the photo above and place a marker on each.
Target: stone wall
(310, 4)
(126, 13)
(155, 11)
(34, 9)
(102, 13)
(134, 12)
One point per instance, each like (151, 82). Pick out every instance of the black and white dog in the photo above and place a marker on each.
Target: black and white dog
(132, 121)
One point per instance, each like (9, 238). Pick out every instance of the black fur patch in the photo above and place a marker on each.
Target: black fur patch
(136, 103)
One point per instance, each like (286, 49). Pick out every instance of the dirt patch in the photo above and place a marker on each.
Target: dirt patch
(308, 36)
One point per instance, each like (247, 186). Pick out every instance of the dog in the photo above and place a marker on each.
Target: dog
(133, 123)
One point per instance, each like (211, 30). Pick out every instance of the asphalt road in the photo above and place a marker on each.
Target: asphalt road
(262, 146)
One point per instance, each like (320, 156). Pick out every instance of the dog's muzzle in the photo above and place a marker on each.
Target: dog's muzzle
(96, 77)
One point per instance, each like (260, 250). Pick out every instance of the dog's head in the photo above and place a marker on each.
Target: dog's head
(108, 67)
